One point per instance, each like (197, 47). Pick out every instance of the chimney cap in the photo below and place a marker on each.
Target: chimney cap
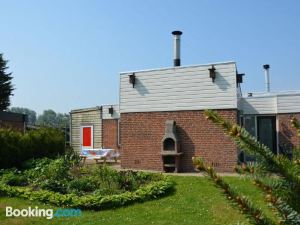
(266, 66)
(177, 32)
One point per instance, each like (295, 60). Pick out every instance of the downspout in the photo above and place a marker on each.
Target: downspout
(277, 126)
(70, 129)
(101, 120)
(118, 133)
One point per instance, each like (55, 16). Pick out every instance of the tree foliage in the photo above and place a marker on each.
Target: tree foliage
(6, 87)
(30, 113)
(53, 119)
(284, 188)
(246, 206)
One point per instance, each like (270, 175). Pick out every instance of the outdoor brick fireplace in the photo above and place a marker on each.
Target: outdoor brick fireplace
(170, 148)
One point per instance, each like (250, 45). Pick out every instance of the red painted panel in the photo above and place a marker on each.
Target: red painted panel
(87, 136)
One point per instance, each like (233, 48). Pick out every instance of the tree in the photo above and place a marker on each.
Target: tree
(283, 190)
(6, 87)
(53, 119)
(30, 113)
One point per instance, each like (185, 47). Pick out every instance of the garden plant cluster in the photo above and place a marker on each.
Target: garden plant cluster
(63, 182)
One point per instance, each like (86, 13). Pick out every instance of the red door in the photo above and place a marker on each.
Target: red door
(87, 136)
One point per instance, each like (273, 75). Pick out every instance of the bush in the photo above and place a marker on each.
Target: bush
(82, 185)
(48, 174)
(61, 183)
(13, 177)
(16, 147)
(92, 201)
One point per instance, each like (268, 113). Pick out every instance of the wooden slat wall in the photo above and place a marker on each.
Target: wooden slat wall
(92, 117)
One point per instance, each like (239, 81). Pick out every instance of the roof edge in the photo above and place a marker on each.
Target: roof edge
(96, 108)
(178, 67)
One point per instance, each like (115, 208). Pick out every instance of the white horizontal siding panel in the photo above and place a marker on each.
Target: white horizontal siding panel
(175, 108)
(179, 89)
(106, 115)
(289, 103)
(258, 105)
(176, 75)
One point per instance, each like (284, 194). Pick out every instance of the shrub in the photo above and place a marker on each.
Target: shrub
(16, 147)
(13, 177)
(93, 201)
(52, 181)
(49, 174)
(81, 185)
(11, 148)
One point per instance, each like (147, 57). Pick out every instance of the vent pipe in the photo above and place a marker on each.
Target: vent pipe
(267, 77)
(177, 35)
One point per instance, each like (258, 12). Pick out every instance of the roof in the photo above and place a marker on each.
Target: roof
(178, 67)
(96, 108)
(273, 94)
(13, 117)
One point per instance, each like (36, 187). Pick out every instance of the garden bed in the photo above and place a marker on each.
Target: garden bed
(62, 183)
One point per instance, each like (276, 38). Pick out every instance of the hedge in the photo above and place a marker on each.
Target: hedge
(91, 201)
(16, 147)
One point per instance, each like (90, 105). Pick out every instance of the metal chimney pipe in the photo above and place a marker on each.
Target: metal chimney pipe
(267, 77)
(177, 35)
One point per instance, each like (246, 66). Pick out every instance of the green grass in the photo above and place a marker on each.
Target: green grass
(196, 201)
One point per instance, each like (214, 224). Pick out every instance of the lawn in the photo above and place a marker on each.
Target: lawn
(196, 201)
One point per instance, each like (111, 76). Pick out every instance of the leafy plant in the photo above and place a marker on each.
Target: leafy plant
(13, 177)
(94, 201)
(244, 204)
(287, 201)
(82, 185)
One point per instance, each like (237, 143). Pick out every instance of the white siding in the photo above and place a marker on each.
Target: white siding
(258, 105)
(289, 103)
(182, 88)
(272, 104)
(106, 115)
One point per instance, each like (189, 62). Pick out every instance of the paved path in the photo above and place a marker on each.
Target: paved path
(117, 166)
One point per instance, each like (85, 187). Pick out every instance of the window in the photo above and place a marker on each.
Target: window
(264, 129)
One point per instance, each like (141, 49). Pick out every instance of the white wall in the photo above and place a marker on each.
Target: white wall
(106, 115)
(258, 105)
(288, 103)
(272, 104)
(180, 88)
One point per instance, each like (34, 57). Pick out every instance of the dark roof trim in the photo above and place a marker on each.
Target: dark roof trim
(12, 117)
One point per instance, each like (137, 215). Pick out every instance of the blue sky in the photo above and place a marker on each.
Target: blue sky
(68, 54)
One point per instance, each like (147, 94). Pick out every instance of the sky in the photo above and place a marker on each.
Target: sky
(67, 54)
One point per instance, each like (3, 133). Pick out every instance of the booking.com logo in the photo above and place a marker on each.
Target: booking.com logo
(37, 212)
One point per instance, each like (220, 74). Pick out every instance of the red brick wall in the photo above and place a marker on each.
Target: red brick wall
(110, 133)
(13, 125)
(287, 134)
(142, 133)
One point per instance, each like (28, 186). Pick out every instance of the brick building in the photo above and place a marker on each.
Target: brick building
(136, 127)
(16, 121)
(159, 122)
